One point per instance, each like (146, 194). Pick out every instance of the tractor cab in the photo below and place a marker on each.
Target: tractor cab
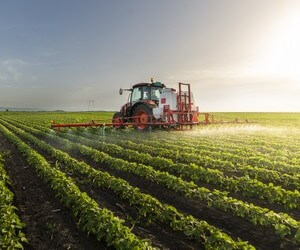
(146, 92)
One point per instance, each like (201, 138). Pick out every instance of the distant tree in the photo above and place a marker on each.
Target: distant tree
(7, 110)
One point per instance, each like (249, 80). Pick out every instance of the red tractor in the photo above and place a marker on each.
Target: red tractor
(154, 105)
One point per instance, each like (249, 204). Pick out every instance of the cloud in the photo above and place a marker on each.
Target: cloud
(235, 75)
(15, 71)
(11, 69)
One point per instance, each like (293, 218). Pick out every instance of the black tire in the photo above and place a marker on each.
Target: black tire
(148, 111)
(118, 116)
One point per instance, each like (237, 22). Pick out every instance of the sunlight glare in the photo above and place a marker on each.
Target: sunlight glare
(282, 57)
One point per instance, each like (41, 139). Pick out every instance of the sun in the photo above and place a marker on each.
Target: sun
(281, 57)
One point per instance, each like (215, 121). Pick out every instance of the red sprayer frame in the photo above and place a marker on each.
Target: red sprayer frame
(187, 118)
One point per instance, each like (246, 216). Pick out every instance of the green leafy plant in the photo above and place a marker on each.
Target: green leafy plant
(11, 227)
(149, 208)
(217, 199)
(92, 218)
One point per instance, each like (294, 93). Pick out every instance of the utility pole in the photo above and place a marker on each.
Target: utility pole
(91, 105)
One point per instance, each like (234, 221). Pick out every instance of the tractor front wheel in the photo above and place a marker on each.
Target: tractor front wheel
(142, 117)
(118, 120)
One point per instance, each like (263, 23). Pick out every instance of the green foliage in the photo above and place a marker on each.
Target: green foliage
(92, 219)
(259, 161)
(282, 223)
(248, 187)
(11, 235)
(150, 209)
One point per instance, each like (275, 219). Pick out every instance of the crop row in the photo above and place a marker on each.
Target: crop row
(265, 144)
(209, 163)
(260, 136)
(232, 144)
(241, 147)
(226, 166)
(11, 235)
(281, 223)
(249, 187)
(239, 158)
(92, 218)
(149, 208)
(204, 156)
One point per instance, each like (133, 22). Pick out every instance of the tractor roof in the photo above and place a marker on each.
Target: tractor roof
(154, 84)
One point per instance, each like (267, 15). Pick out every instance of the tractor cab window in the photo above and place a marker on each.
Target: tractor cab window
(155, 94)
(146, 93)
(136, 94)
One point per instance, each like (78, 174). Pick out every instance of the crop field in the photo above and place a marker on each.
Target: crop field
(231, 186)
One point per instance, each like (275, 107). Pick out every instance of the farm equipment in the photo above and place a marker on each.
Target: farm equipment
(153, 105)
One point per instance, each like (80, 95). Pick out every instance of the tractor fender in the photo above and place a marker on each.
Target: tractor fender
(124, 109)
(146, 104)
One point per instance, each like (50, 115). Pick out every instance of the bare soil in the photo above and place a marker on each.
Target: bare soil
(48, 224)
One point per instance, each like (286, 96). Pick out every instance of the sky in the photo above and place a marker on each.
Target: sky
(238, 55)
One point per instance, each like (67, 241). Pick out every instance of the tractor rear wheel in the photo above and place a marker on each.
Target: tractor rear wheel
(118, 120)
(142, 116)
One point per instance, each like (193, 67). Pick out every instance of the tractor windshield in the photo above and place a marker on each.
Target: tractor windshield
(145, 93)
(155, 94)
